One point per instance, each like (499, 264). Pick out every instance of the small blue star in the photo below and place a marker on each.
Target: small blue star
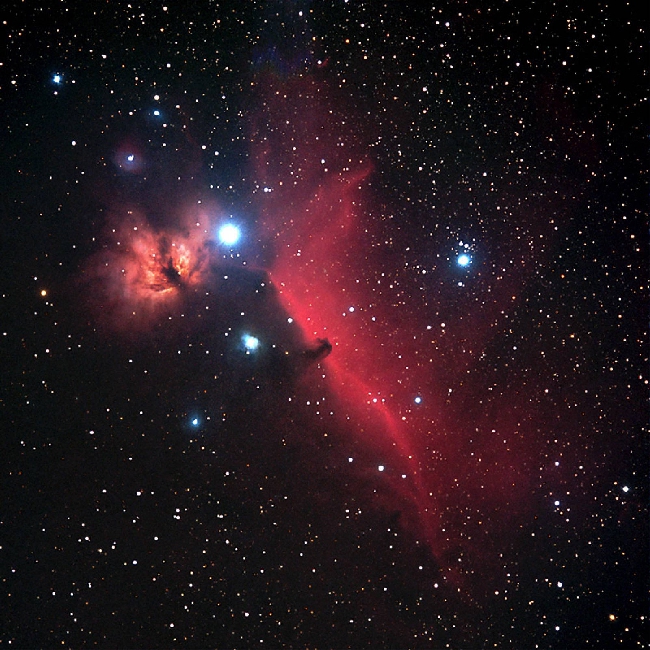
(251, 343)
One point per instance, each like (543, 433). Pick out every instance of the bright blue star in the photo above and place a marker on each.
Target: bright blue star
(156, 113)
(195, 422)
(464, 259)
(57, 78)
(418, 400)
(251, 343)
(229, 234)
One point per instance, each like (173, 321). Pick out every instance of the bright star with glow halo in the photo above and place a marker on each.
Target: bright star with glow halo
(229, 234)
(464, 259)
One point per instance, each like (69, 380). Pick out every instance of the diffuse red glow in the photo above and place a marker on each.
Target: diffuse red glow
(325, 272)
(403, 384)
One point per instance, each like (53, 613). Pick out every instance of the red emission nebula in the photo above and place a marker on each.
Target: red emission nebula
(399, 366)
(405, 372)
(141, 272)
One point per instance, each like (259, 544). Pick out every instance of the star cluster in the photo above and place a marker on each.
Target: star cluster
(323, 325)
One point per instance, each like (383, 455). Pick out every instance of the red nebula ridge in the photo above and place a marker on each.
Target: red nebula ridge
(463, 462)
(325, 270)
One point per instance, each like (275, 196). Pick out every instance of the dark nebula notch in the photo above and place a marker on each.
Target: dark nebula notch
(320, 351)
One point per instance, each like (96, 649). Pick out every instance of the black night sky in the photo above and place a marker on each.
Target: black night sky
(323, 324)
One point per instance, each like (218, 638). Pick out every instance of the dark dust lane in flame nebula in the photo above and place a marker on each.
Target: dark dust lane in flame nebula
(140, 272)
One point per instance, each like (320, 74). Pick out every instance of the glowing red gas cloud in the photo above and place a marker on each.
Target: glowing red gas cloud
(141, 272)
(402, 368)
(326, 270)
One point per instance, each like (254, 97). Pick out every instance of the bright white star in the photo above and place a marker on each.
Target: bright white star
(56, 78)
(464, 259)
(229, 234)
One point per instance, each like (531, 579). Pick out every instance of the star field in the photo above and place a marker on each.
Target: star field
(324, 325)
